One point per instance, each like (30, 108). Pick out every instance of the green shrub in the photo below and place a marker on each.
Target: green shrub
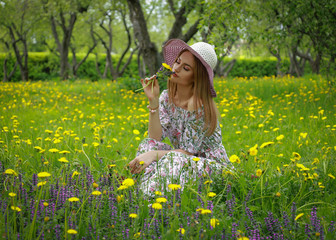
(44, 66)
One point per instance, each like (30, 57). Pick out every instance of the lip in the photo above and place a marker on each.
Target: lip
(175, 75)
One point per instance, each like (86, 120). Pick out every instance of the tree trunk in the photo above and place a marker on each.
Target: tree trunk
(314, 63)
(276, 53)
(63, 47)
(21, 60)
(148, 49)
(225, 71)
(7, 77)
(75, 65)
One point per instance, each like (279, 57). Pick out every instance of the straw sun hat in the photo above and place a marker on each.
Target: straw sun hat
(203, 51)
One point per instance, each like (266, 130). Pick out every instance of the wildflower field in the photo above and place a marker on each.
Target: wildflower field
(64, 147)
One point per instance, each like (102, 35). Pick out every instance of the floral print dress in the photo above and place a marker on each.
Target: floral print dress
(185, 131)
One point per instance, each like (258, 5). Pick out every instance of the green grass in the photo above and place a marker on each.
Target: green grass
(95, 122)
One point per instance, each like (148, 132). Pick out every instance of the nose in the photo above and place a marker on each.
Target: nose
(177, 68)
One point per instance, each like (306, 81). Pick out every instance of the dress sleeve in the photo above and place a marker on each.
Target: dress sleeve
(164, 115)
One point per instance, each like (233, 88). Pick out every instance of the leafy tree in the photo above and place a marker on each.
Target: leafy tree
(107, 16)
(17, 19)
(63, 15)
(223, 23)
(180, 11)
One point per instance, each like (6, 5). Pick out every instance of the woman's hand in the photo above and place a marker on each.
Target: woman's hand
(152, 91)
(146, 159)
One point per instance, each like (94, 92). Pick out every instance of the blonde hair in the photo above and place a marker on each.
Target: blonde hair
(201, 95)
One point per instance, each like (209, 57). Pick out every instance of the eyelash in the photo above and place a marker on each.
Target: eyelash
(186, 69)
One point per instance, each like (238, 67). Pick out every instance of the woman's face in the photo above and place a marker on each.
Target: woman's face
(184, 69)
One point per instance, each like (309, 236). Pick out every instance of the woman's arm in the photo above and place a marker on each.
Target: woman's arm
(148, 157)
(154, 125)
(152, 92)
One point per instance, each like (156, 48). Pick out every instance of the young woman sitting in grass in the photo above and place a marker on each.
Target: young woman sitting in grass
(185, 113)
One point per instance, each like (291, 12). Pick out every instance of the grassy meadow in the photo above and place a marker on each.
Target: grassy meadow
(64, 147)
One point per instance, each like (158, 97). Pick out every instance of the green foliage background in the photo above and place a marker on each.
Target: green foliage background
(44, 66)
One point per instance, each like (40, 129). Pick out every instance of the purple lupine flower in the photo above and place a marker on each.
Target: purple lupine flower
(293, 211)
(286, 221)
(230, 205)
(210, 205)
(57, 230)
(250, 216)
(234, 230)
(256, 234)
(313, 219)
(34, 181)
(223, 236)
(331, 227)
(308, 231)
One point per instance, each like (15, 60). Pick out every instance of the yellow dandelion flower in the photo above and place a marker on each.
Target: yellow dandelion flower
(42, 183)
(157, 206)
(128, 182)
(280, 137)
(174, 186)
(96, 193)
(298, 216)
(259, 172)
(43, 174)
(136, 235)
(95, 185)
(166, 66)
(253, 151)
(208, 182)
(63, 160)
(57, 141)
(161, 200)
(46, 219)
(122, 187)
(73, 199)
(211, 194)
(214, 222)
(136, 132)
(75, 173)
(120, 198)
(196, 159)
(296, 156)
(266, 144)
(141, 162)
(181, 230)
(133, 215)
(278, 194)
(234, 158)
(16, 208)
(38, 148)
(11, 194)
(10, 172)
(243, 238)
(72, 231)
(95, 144)
(303, 135)
(45, 204)
(158, 193)
(205, 211)
(331, 176)
(316, 161)
(53, 150)
(64, 151)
